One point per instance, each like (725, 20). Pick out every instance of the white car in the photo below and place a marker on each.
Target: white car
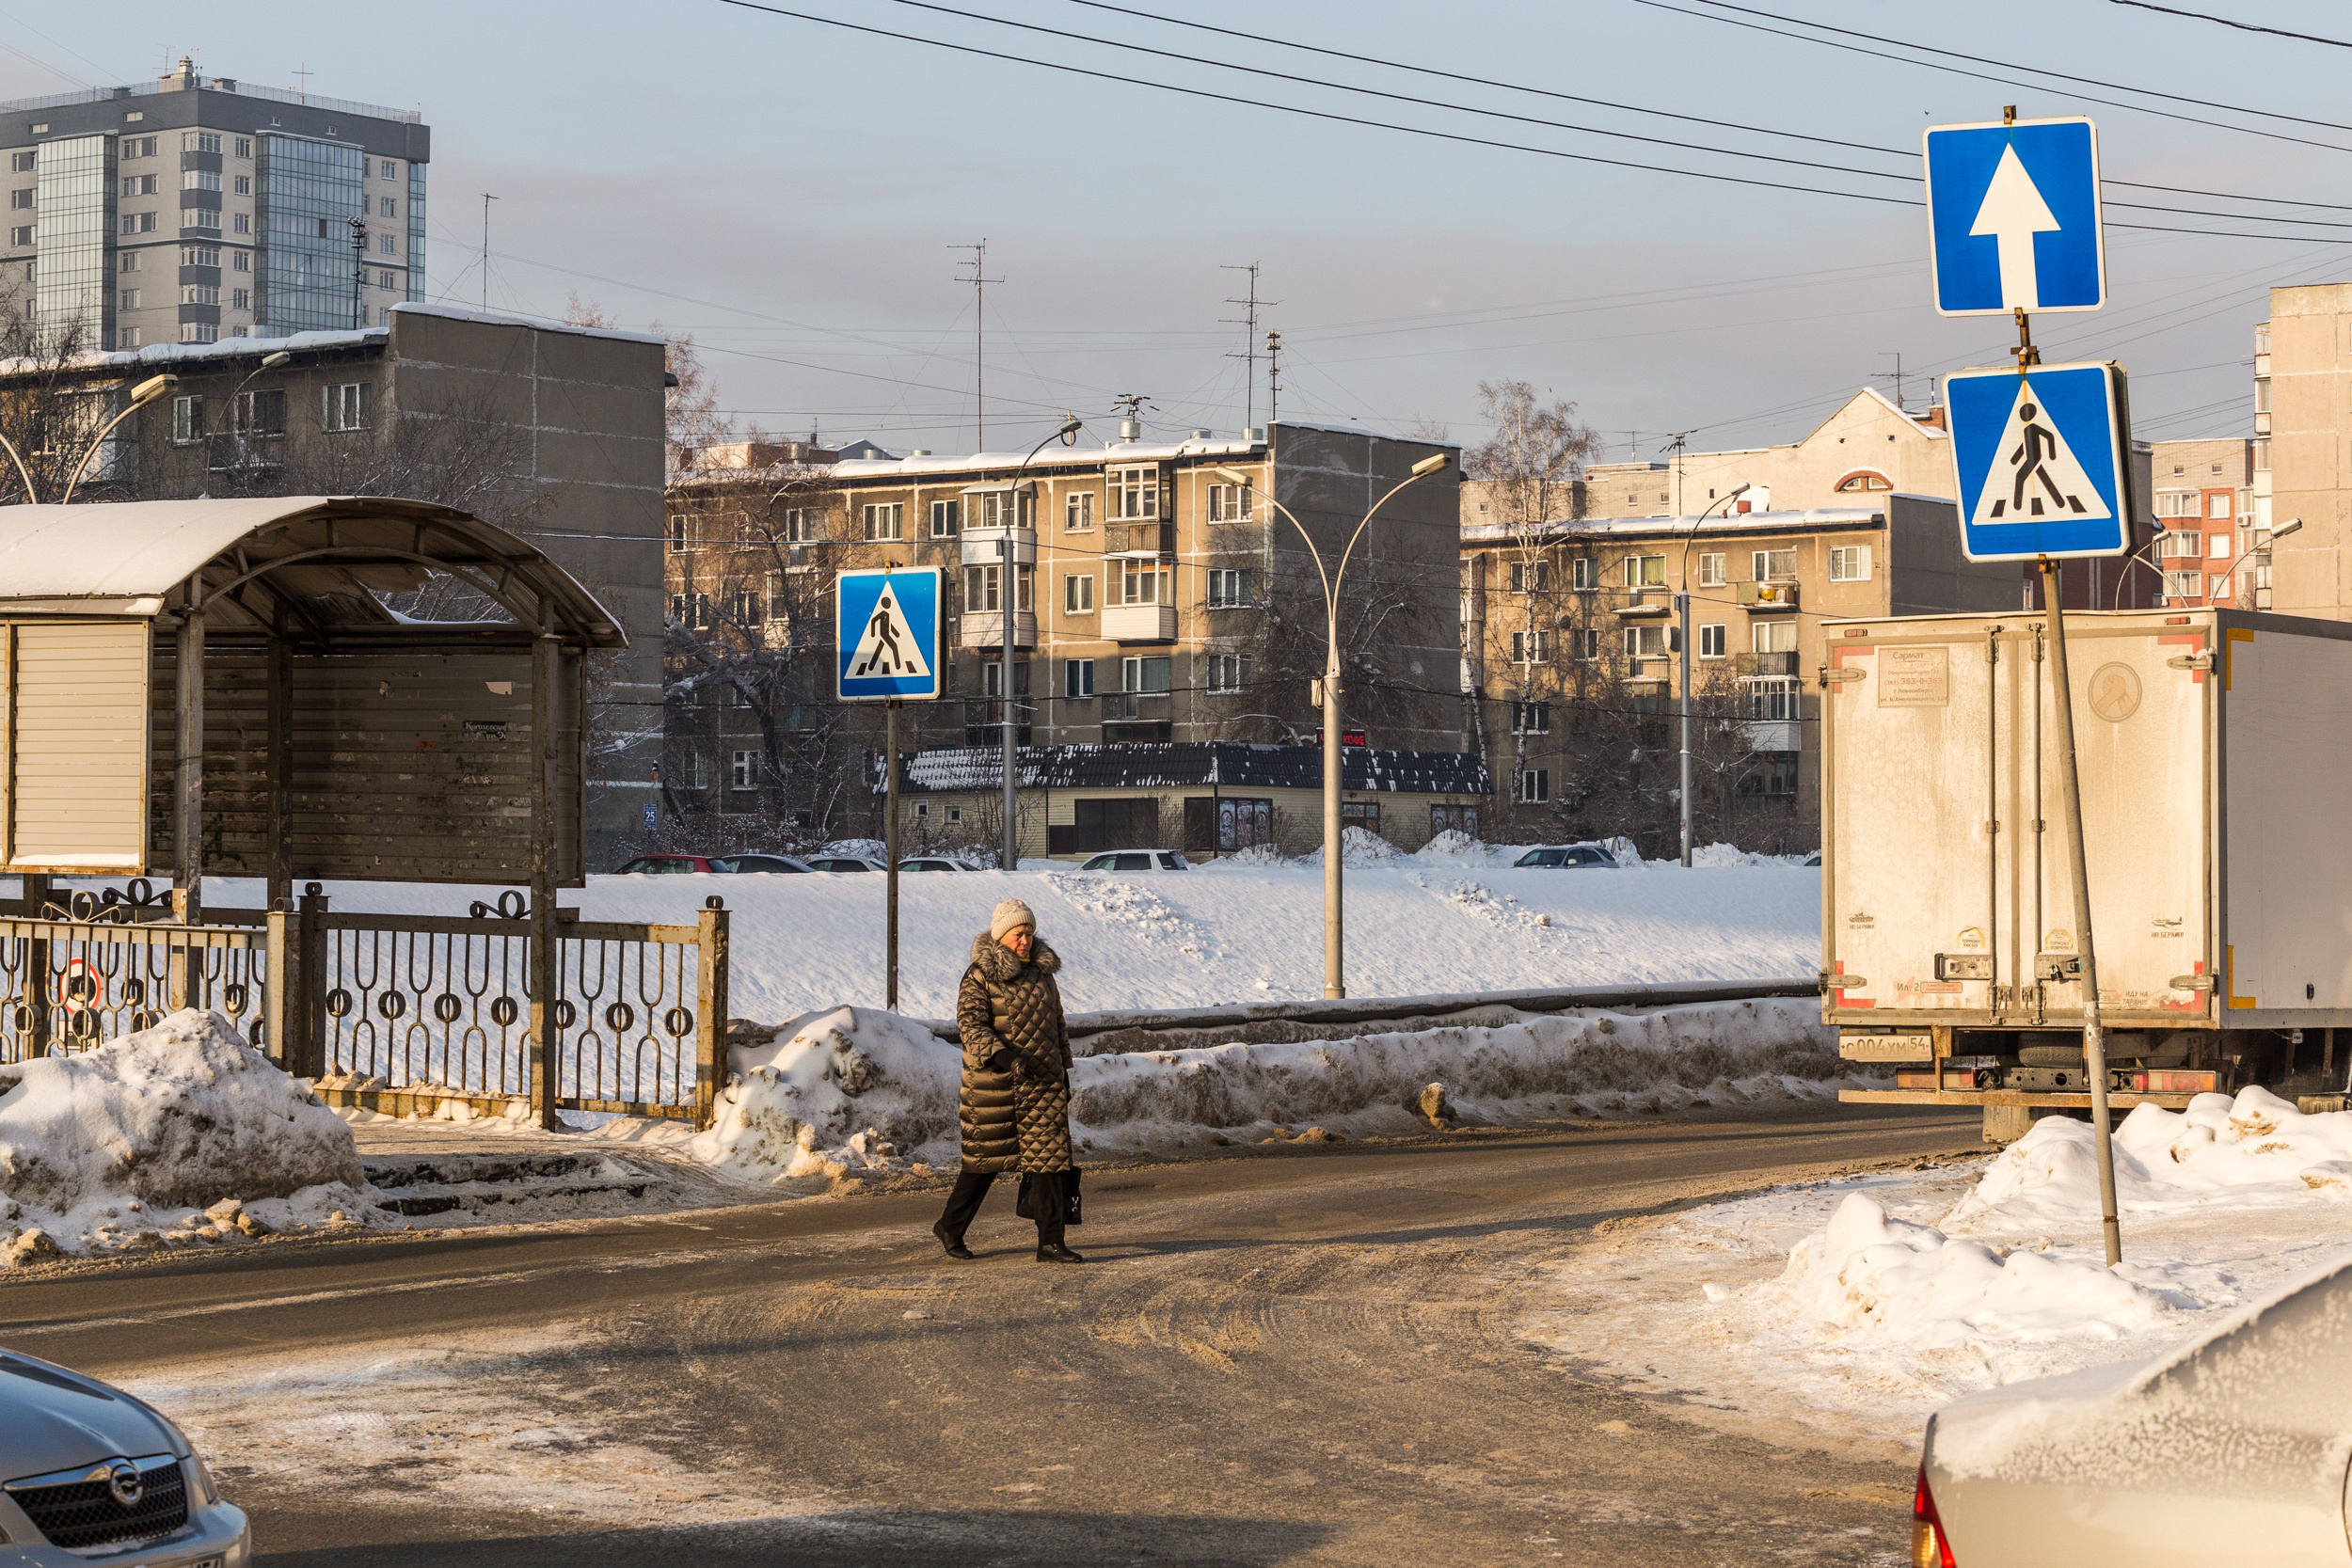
(932, 862)
(1138, 860)
(1568, 856)
(2231, 1450)
(842, 862)
(88, 1474)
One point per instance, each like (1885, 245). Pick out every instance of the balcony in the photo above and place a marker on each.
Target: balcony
(1766, 664)
(1769, 598)
(1139, 539)
(1771, 735)
(1120, 706)
(1652, 605)
(985, 628)
(1140, 623)
(982, 547)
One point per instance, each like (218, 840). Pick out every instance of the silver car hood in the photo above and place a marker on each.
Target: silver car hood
(55, 1420)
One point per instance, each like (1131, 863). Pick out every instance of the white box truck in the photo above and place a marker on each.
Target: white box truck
(2214, 748)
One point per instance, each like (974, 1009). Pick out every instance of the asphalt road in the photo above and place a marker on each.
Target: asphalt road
(1286, 1356)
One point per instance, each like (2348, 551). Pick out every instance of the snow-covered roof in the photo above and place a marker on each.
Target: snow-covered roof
(540, 324)
(1738, 522)
(1165, 765)
(1051, 456)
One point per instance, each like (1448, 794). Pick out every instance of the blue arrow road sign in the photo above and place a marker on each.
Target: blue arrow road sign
(2013, 214)
(2042, 459)
(886, 634)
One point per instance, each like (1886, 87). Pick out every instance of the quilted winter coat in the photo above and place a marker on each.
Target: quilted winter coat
(1010, 1122)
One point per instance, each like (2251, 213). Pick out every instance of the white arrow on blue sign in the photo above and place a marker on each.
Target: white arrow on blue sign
(2014, 215)
(886, 635)
(2042, 459)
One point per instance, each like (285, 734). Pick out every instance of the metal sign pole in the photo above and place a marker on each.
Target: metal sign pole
(2094, 1045)
(889, 853)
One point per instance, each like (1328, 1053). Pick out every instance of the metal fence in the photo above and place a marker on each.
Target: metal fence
(424, 1006)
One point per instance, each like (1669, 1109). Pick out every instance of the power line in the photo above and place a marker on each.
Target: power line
(2241, 26)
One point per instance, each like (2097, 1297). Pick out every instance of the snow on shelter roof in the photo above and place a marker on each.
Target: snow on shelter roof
(323, 559)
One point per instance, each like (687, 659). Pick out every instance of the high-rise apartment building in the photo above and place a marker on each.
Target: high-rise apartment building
(204, 208)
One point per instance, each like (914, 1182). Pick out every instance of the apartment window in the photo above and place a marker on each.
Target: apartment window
(993, 679)
(1229, 671)
(244, 185)
(1711, 569)
(1077, 677)
(199, 141)
(200, 294)
(133, 184)
(188, 419)
(944, 515)
(389, 245)
(1774, 565)
(244, 147)
(1853, 484)
(1228, 588)
(1645, 571)
(199, 255)
(384, 207)
(1077, 512)
(1774, 637)
(199, 332)
(2180, 545)
(1530, 576)
(243, 223)
(2184, 585)
(1146, 675)
(1774, 773)
(678, 532)
(1585, 643)
(2219, 546)
(1077, 594)
(1135, 493)
(199, 217)
(261, 412)
(1531, 787)
(1713, 641)
(21, 163)
(1230, 503)
(1527, 647)
(1849, 563)
(22, 236)
(386, 169)
(130, 261)
(886, 521)
(1530, 718)
(347, 406)
(195, 179)
(2217, 588)
(743, 769)
(2218, 504)
(129, 337)
(2262, 457)
(697, 771)
(388, 280)
(1144, 582)
(981, 585)
(803, 525)
(2176, 504)
(1584, 573)
(1644, 641)
(130, 299)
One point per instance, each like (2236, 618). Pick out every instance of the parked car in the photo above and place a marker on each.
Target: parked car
(844, 862)
(1138, 860)
(95, 1473)
(710, 864)
(2228, 1449)
(1568, 856)
(932, 862)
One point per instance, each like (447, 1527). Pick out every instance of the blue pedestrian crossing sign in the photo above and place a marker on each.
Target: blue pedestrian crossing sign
(2014, 215)
(886, 635)
(2043, 459)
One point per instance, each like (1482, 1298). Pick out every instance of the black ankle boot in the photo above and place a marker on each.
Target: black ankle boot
(1055, 1252)
(954, 1245)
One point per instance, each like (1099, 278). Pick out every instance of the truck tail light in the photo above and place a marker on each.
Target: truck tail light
(1930, 1546)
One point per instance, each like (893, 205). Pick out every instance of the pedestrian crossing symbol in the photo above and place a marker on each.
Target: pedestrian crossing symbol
(2041, 460)
(886, 632)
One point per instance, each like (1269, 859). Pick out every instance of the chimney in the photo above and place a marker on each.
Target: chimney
(1933, 418)
(183, 80)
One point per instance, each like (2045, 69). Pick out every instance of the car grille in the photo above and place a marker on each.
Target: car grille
(82, 1513)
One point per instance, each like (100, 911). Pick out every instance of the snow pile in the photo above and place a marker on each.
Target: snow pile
(852, 1090)
(1360, 846)
(1455, 847)
(1716, 857)
(1135, 905)
(176, 1133)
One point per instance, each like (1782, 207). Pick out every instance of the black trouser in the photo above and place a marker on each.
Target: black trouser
(963, 1204)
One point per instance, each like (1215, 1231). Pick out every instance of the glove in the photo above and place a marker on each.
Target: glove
(1006, 1060)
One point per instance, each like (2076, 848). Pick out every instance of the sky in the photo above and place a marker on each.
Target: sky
(791, 193)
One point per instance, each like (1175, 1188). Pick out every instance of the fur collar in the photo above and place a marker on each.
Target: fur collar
(995, 961)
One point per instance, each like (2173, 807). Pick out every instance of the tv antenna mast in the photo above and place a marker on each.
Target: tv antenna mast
(1250, 337)
(979, 281)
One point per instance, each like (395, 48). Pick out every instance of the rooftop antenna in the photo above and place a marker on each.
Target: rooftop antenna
(302, 83)
(979, 281)
(1896, 376)
(487, 199)
(1272, 377)
(1674, 443)
(1249, 339)
(1131, 406)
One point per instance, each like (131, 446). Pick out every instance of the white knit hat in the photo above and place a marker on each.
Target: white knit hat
(1011, 916)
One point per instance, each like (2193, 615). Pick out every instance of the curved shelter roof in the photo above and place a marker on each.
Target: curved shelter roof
(301, 565)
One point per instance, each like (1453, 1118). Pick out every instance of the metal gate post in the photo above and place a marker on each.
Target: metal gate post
(276, 990)
(306, 1048)
(710, 1012)
(36, 993)
(545, 954)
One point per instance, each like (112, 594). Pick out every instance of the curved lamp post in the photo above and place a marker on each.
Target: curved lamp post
(1334, 969)
(1009, 599)
(141, 395)
(1682, 604)
(2291, 526)
(269, 362)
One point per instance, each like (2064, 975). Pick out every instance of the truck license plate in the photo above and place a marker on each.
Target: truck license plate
(1888, 1047)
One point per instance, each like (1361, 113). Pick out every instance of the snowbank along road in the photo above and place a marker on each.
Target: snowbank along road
(1349, 1353)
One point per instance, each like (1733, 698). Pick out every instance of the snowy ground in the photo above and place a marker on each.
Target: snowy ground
(1224, 933)
(1845, 1312)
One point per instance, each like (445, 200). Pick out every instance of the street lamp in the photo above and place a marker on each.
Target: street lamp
(141, 395)
(1682, 604)
(31, 496)
(1334, 981)
(2289, 526)
(269, 362)
(1007, 599)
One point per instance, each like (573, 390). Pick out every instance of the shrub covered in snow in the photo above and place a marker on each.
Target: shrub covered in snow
(159, 1129)
(843, 1089)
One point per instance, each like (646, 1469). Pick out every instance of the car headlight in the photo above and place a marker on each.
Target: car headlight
(202, 1492)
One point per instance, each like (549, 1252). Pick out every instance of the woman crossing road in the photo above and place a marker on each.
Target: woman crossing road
(1015, 1096)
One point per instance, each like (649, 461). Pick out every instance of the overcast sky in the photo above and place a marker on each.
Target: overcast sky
(790, 193)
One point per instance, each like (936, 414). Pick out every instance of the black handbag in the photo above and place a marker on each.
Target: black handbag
(1024, 1201)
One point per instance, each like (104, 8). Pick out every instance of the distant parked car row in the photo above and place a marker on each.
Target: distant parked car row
(1568, 856)
(707, 865)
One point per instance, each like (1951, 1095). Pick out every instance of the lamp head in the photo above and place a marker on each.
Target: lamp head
(271, 362)
(2286, 528)
(1231, 476)
(1070, 425)
(153, 387)
(1435, 465)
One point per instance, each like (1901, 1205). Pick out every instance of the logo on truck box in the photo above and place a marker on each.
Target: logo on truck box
(1915, 676)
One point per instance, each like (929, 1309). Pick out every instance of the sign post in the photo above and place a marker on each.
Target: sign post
(887, 643)
(2043, 452)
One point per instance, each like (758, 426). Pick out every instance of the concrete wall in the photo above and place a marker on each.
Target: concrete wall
(2311, 464)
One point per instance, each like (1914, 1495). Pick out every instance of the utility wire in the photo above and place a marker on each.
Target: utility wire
(2225, 21)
